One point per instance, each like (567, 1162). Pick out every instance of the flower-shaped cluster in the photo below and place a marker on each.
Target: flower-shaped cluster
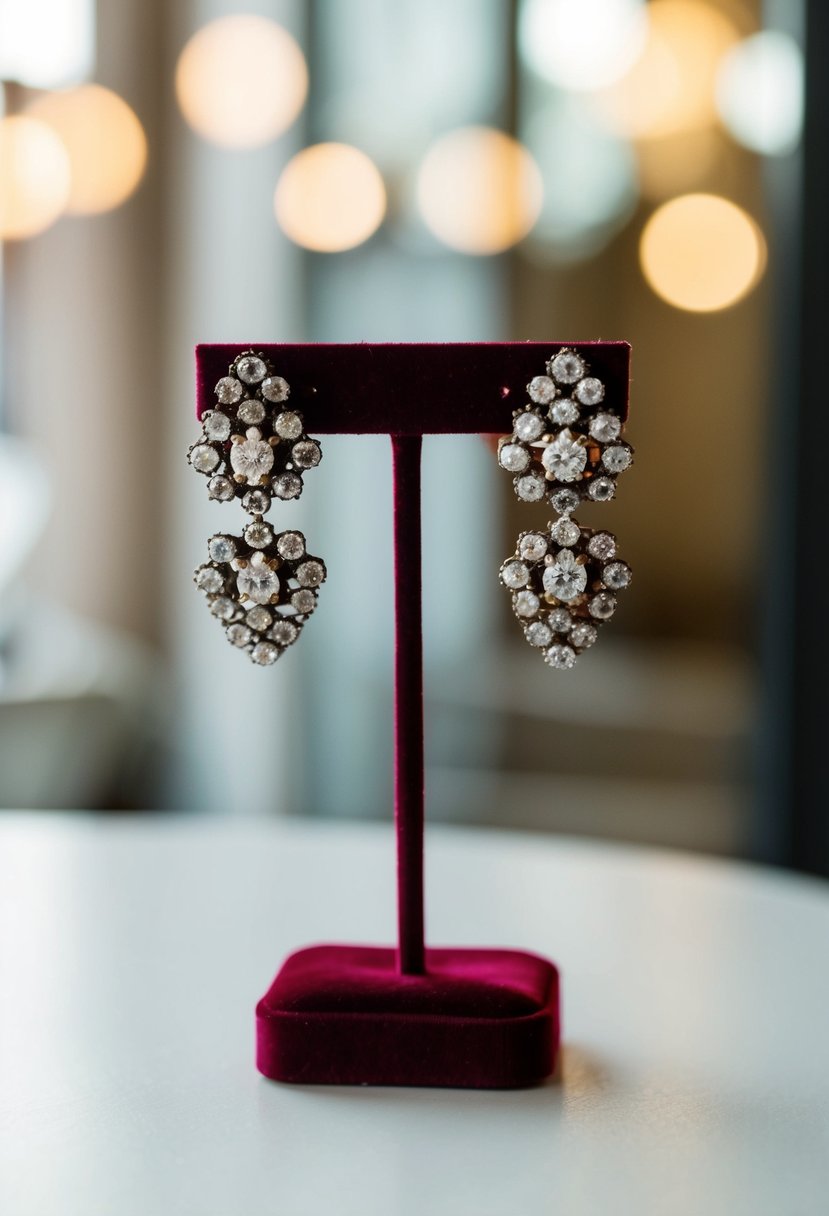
(566, 444)
(564, 583)
(253, 446)
(262, 587)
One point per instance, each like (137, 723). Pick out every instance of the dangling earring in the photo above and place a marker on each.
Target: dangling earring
(261, 585)
(566, 447)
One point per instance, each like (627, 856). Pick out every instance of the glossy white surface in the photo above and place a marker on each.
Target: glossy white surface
(695, 1078)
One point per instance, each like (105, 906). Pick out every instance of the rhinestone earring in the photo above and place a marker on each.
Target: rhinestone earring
(261, 585)
(566, 448)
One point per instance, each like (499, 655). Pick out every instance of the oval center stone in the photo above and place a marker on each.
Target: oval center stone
(252, 459)
(258, 581)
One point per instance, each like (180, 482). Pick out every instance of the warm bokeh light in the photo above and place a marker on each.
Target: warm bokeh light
(581, 44)
(105, 141)
(760, 93)
(34, 177)
(701, 252)
(330, 197)
(671, 86)
(241, 81)
(676, 164)
(479, 190)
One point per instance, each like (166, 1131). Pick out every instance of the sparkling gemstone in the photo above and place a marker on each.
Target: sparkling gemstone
(515, 574)
(221, 488)
(290, 545)
(541, 390)
(221, 548)
(251, 412)
(310, 574)
(565, 578)
(252, 459)
(528, 426)
(605, 427)
(223, 607)
(560, 656)
(287, 485)
(565, 501)
(602, 546)
(306, 454)
(567, 367)
(602, 606)
(513, 457)
(274, 388)
(288, 425)
(204, 458)
(229, 390)
(250, 369)
(216, 426)
(583, 635)
(525, 603)
(304, 601)
(589, 391)
(238, 634)
(565, 532)
(616, 459)
(533, 546)
(538, 634)
(565, 457)
(601, 489)
(530, 488)
(258, 618)
(208, 579)
(564, 411)
(256, 502)
(616, 575)
(560, 620)
(258, 580)
(259, 534)
(265, 653)
(284, 633)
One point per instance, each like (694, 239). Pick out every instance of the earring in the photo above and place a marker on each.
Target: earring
(261, 585)
(566, 447)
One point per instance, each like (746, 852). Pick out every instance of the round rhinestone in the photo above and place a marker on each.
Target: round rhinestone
(565, 532)
(513, 457)
(602, 606)
(264, 653)
(602, 546)
(287, 485)
(274, 388)
(251, 412)
(567, 367)
(533, 546)
(284, 633)
(560, 620)
(565, 457)
(589, 391)
(605, 428)
(310, 574)
(221, 548)
(250, 369)
(258, 618)
(515, 574)
(221, 488)
(290, 545)
(616, 459)
(560, 656)
(228, 390)
(541, 390)
(583, 635)
(530, 488)
(259, 534)
(307, 454)
(525, 603)
(258, 580)
(216, 426)
(203, 458)
(223, 607)
(252, 459)
(208, 579)
(304, 601)
(564, 411)
(528, 427)
(565, 578)
(601, 489)
(565, 501)
(616, 575)
(288, 425)
(238, 634)
(538, 634)
(256, 502)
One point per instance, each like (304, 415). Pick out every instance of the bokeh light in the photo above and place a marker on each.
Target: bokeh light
(677, 164)
(34, 177)
(479, 190)
(701, 252)
(760, 93)
(330, 197)
(241, 81)
(581, 44)
(105, 141)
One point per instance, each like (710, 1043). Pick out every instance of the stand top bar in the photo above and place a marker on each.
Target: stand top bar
(413, 388)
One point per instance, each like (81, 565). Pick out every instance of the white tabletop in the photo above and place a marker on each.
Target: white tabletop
(695, 1076)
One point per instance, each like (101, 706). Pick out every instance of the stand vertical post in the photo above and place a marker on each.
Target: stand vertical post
(408, 704)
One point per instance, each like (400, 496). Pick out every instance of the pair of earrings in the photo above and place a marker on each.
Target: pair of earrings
(262, 586)
(566, 447)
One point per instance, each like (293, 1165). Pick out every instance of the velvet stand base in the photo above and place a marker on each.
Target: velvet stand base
(477, 1019)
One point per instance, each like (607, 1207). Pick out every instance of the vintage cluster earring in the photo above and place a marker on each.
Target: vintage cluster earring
(566, 447)
(262, 585)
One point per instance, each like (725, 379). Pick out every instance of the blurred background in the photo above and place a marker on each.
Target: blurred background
(340, 170)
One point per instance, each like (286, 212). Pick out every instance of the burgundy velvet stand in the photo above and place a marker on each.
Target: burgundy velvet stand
(349, 1015)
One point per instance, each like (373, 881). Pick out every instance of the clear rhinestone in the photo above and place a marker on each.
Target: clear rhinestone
(259, 534)
(203, 458)
(513, 457)
(528, 427)
(250, 369)
(616, 459)
(541, 390)
(567, 367)
(252, 458)
(251, 412)
(538, 634)
(221, 548)
(310, 574)
(229, 390)
(306, 455)
(533, 546)
(602, 606)
(565, 532)
(265, 653)
(238, 634)
(565, 457)
(290, 545)
(209, 580)
(564, 411)
(258, 618)
(566, 578)
(589, 391)
(284, 633)
(256, 502)
(514, 575)
(276, 389)
(616, 575)
(602, 546)
(221, 488)
(605, 428)
(583, 635)
(565, 501)
(287, 485)
(560, 620)
(288, 425)
(525, 603)
(304, 601)
(530, 488)
(560, 656)
(602, 489)
(223, 607)
(258, 580)
(216, 426)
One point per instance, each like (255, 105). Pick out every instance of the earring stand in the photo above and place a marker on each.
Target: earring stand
(448, 1016)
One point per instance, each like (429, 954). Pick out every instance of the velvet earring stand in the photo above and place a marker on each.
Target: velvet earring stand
(448, 1016)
